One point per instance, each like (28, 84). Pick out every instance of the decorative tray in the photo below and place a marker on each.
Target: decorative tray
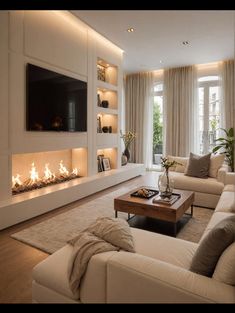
(145, 193)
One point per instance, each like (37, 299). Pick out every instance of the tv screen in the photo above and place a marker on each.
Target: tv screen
(55, 102)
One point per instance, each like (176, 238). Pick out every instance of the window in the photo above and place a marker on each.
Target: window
(209, 112)
(157, 123)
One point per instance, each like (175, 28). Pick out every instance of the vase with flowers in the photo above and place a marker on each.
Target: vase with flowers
(127, 137)
(165, 181)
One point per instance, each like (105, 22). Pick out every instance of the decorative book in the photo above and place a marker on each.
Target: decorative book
(167, 200)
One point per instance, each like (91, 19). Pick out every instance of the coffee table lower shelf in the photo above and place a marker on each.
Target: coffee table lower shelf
(174, 224)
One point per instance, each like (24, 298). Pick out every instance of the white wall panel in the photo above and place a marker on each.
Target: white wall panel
(16, 31)
(54, 39)
(3, 82)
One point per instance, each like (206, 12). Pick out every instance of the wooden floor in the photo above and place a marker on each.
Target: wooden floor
(18, 259)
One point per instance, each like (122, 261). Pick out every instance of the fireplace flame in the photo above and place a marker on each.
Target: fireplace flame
(16, 181)
(33, 174)
(75, 171)
(63, 170)
(47, 173)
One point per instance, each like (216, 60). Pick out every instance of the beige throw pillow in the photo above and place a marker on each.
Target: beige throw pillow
(171, 158)
(198, 165)
(216, 162)
(115, 231)
(184, 163)
(212, 246)
(181, 167)
(225, 268)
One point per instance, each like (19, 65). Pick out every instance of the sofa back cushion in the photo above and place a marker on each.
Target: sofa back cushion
(212, 246)
(181, 167)
(198, 165)
(216, 162)
(225, 268)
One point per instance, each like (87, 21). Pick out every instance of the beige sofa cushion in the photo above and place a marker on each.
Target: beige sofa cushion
(216, 162)
(212, 246)
(227, 200)
(164, 248)
(225, 268)
(229, 188)
(209, 185)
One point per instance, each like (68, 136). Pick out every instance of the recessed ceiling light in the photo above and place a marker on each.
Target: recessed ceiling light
(185, 43)
(160, 61)
(130, 30)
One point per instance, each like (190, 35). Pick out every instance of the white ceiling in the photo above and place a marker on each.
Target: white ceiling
(159, 34)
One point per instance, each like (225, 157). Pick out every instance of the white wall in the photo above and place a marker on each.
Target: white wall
(4, 138)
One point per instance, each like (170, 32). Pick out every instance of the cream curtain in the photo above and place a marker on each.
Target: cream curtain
(180, 110)
(227, 93)
(138, 97)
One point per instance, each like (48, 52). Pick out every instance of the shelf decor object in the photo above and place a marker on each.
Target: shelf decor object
(100, 72)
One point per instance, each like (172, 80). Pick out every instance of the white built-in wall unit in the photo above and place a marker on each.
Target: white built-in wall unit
(58, 41)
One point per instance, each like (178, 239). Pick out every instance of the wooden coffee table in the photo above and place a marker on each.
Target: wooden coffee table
(146, 207)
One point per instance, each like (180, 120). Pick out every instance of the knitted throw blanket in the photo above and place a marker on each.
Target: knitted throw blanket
(106, 234)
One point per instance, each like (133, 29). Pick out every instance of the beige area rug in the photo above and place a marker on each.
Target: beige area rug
(53, 233)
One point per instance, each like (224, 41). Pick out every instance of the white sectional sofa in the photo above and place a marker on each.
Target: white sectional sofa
(207, 190)
(157, 273)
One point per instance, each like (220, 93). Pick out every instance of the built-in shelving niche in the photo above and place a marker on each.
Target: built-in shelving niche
(107, 123)
(108, 95)
(107, 72)
(111, 154)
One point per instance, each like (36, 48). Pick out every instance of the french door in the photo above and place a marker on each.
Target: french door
(209, 113)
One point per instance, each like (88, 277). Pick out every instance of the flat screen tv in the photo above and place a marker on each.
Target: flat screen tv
(54, 102)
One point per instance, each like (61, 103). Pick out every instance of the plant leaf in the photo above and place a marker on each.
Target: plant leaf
(225, 131)
(216, 148)
(231, 132)
(221, 139)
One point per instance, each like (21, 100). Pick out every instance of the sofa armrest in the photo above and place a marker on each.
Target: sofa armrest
(132, 278)
(222, 172)
(230, 178)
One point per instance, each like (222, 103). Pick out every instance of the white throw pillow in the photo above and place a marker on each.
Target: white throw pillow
(171, 158)
(216, 162)
(181, 168)
(225, 269)
(181, 160)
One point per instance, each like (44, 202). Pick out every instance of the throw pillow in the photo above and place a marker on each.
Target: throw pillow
(225, 269)
(171, 158)
(216, 162)
(198, 166)
(115, 231)
(177, 167)
(212, 246)
(184, 163)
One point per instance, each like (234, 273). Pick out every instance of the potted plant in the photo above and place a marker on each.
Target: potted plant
(226, 145)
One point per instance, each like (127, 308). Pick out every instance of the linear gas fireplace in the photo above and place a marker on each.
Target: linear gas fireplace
(37, 170)
(49, 178)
